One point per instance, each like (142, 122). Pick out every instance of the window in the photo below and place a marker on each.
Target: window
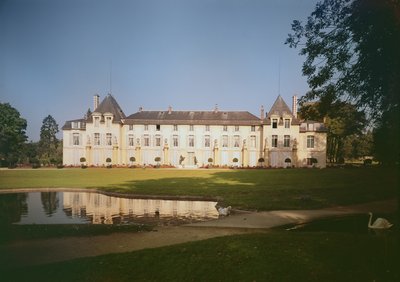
(108, 121)
(108, 139)
(75, 138)
(146, 127)
(274, 141)
(236, 141)
(191, 141)
(310, 141)
(175, 141)
(207, 128)
(131, 127)
(96, 121)
(252, 141)
(224, 141)
(286, 141)
(207, 142)
(158, 140)
(146, 141)
(97, 139)
(287, 123)
(175, 127)
(253, 128)
(236, 127)
(311, 127)
(158, 127)
(225, 128)
(131, 140)
(75, 124)
(274, 123)
(191, 127)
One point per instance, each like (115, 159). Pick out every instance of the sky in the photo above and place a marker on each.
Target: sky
(187, 54)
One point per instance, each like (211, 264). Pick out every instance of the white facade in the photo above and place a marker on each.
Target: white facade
(152, 138)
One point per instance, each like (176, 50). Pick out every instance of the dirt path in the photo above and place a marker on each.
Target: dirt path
(32, 252)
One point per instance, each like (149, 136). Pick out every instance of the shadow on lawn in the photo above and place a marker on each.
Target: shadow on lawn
(272, 189)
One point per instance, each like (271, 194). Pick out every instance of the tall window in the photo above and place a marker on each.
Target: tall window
(75, 138)
(175, 141)
(131, 141)
(191, 141)
(146, 127)
(236, 127)
(75, 124)
(286, 141)
(146, 141)
(175, 127)
(207, 142)
(158, 127)
(108, 139)
(236, 141)
(96, 121)
(191, 127)
(225, 141)
(131, 127)
(274, 141)
(207, 128)
(310, 141)
(96, 139)
(253, 128)
(108, 121)
(274, 123)
(287, 123)
(158, 140)
(225, 128)
(252, 141)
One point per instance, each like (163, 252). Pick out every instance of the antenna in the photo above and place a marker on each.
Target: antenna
(279, 76)
(110, 76)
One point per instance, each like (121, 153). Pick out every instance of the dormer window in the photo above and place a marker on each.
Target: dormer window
(274, 123)
(287, 123)
(108, 121)
(75, 124)
(146, 127)
(96, 121)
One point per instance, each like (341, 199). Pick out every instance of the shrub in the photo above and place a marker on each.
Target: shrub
(82, 159)
(132, 159)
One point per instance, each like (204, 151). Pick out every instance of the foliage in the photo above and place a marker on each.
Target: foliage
(210, 160)
(108, 160)
(157, 159)
(12, 134)
(351, 49)
(343, 122)
(82, 159)
(49, 152)
(235, 160)
(132, 159)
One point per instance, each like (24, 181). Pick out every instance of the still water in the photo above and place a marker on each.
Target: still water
(96, 208)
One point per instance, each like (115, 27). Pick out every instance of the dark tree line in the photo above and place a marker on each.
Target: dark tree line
(14, 148)
(352, 55)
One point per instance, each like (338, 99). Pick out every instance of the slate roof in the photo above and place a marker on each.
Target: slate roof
(280, 109)
(193, 117)
(109, 105)
(68, 124)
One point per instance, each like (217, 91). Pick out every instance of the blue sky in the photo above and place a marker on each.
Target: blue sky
(190, 54)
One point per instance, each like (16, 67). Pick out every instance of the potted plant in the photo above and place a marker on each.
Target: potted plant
(210, 160)
(132, 160)
(83, 162)
(108, 161)
(261, 160)
(157, 160)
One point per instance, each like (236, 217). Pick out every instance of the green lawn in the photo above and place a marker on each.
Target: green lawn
(273, 256)
(247, 189)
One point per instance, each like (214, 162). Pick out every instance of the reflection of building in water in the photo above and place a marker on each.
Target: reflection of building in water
(106, 209)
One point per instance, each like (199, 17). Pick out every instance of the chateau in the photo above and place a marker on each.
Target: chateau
(194, 138)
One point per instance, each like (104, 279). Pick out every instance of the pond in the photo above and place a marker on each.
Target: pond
(97, 208)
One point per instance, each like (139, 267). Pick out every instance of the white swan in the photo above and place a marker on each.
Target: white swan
(224, 211)
(379, 223)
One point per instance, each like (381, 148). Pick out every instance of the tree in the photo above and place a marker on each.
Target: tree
(351, 49)
(12, 134)
(342, 121)
(49, 143)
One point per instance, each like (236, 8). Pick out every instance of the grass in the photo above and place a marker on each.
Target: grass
(273, 256)
(246, 189)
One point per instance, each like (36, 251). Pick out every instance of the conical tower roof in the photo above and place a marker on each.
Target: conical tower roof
(110, 105)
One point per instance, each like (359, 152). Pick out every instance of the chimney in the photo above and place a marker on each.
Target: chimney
(216, 108)
(96, 99)
(294, 106)
(140, 109)
(169, 110)
(262, 115)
